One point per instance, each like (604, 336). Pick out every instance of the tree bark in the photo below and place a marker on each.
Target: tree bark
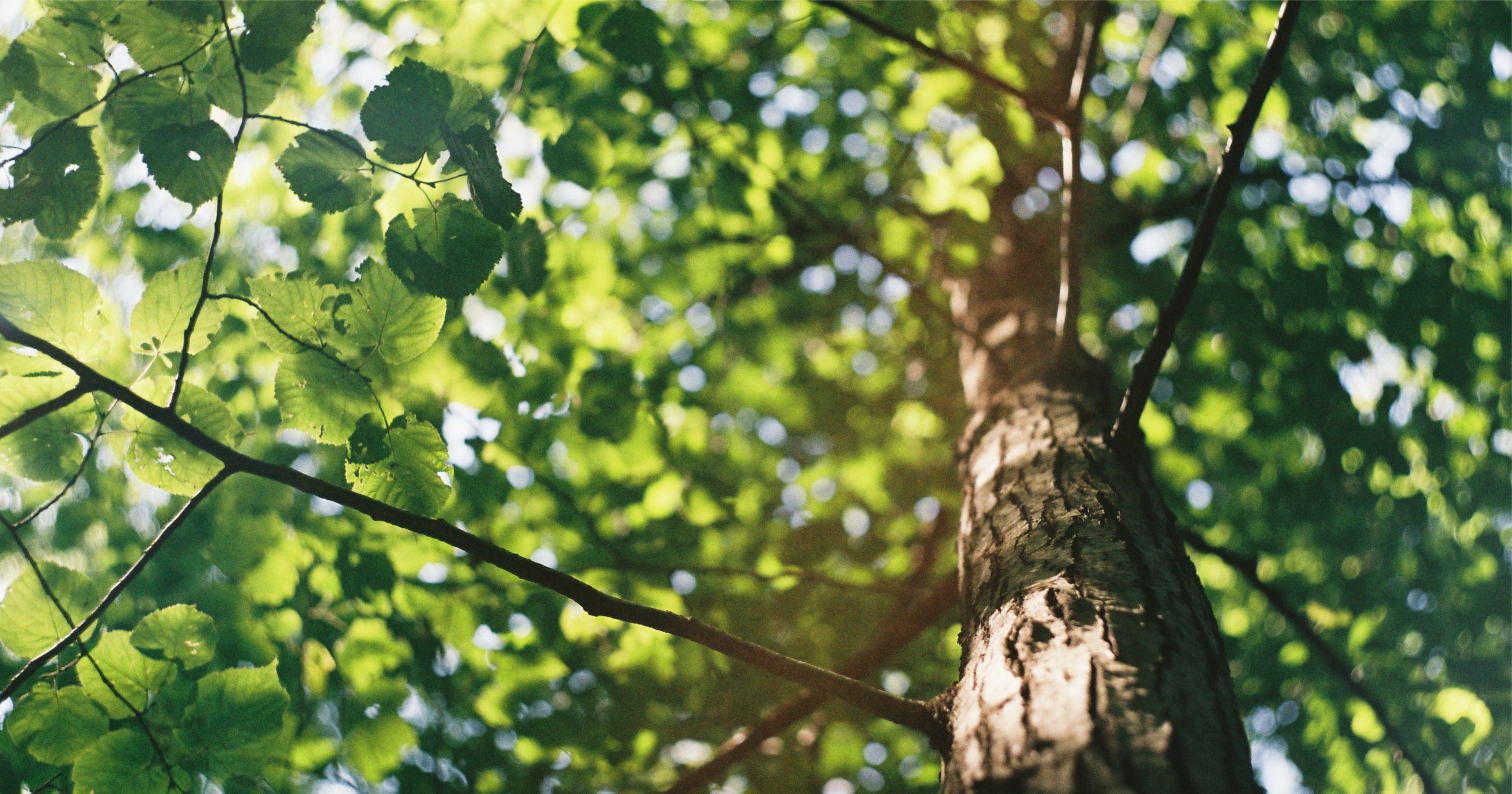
(1091, 661)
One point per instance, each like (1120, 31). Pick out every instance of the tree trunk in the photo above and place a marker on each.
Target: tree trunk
(1091, 661)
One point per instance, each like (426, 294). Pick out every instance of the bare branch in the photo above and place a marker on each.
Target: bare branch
(1126, 429)
(910, 713)
(997, 83)
(1069, 308)
(41, 660)
(1336, 663)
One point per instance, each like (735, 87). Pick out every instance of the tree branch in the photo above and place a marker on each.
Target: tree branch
(1023, 98)
(910, 713)
(898, 632)
(1248, 567)
(41, 660)
(342, 141)
(37, 412)
(1126, 428)
(1069, 308)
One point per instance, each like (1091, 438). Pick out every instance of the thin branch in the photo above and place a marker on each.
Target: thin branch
(800, 574)
(313, 348)
(1123, 122)
(1248, 567)
(47, 590)
(519, 83)
(94, 441)
(41, 660)
(346, 143)
(896, 634)
(910, 713)
(37, 412)
(1126, 429)
(1023, 98)
(57, 125)
(1069, 308)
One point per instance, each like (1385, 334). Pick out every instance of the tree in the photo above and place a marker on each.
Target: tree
(344, 342)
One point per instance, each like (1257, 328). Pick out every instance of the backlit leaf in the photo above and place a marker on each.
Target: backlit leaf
(324, 168)
(275, 28)
(180, 632)
(54, 183)
(448, 252)
(410, 477)
(319, 397)
(29, 620)
(121, 762)
(404, 117)
(159, 320)
(161, 458)
(191, 162)
(55, 725)
(133, 676)
(386, 314)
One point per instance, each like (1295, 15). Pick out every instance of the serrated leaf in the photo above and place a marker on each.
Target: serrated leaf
(373, 747)
(191, 162)
(146, 103)
(49, 66)
(448, 252)
(404, 117)
(54, 183)
(55, 725)
(494, 197)
(132, 674)
(163, 459)
(301, 307)
(527, 258)
(154, 37)
(275, 29)
(609, 404)
(121, 762)
(582, 154)
(386, 314)
(234, 708)
(319, 397)
(369, 442)
(194, 11)
(29, 620)
(324, 168)
(410, 477)
(159, 320)
(469, 106)
(180, 631)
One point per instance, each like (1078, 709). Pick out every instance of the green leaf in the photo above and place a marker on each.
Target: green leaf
(180, 631)
(163, 459)
(630, 35)
(133, 676)
(54, 183)
(385, 314)
(448, 253)
(324, 168)
(234, 708)
(609, 403)
(527, 258)
(29, 620)
(405, 116)
(469, 107)
(494, 197)
(275, 29)
(154, 37)
(410, 478)
(300, 306)
(146, 103)
(373, 747)
(159, 320)
(49, 66)
(121, 762)
(319, 397)
(57, 304)
(369, 442)
(47, 449)
(582, 154)
(55, 725)
(195, 11)
(191, 162)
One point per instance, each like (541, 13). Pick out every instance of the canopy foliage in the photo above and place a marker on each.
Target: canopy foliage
(650, 294)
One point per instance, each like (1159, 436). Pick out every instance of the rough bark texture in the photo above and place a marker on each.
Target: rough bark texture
(1091, 660)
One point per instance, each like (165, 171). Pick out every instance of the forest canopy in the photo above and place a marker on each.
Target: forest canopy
(344, 340)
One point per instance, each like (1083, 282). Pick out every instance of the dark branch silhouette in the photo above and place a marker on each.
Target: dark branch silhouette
(1126, 429)
(910, 713)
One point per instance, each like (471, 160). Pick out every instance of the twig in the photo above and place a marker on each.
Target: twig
(310, 346)
(1126, 429)
(37, 412)
(910, 713)
(1159, 32)
(1248, 567)
(41, 660)
(901, 630)
(94, 440)
(345, 143)
(525, 60)
(1023, 98)
(1069, 308)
